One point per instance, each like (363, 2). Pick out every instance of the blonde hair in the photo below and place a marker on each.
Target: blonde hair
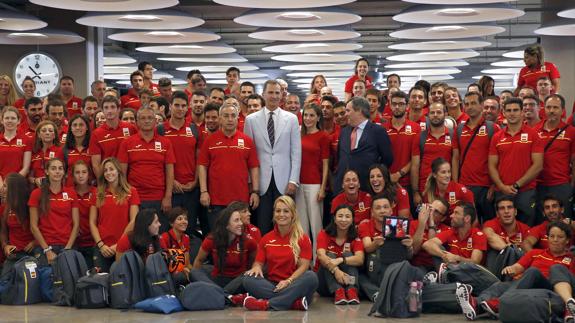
(123, 187)
(296, 231)
(9, 108)
(431, 182)
(12, 96)
(38, 143)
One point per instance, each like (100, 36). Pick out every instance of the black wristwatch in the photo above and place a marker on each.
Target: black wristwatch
(516, 186)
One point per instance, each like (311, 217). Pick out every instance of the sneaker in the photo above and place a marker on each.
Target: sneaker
(352, 297)
(374, 296)
(340, 297)
(442, 274)
(238, 299)
(491, 306)
(430, 278)
(570, 307)
(467, 302)
(567, 317)
(253, 304)
(300, 304)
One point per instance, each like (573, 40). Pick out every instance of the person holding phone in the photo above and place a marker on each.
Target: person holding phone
(339, 254)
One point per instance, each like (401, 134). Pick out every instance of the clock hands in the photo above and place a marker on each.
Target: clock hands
(36, 75)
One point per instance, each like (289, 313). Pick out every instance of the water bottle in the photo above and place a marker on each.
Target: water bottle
(413, 297)
(419, 296)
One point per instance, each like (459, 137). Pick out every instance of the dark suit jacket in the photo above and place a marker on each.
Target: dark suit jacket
(374, 147)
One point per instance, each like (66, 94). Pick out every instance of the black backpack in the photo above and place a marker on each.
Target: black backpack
(158, 277)
(22, 283)
(68, 267)
(469, 273)
(127, 281)
(392, 299)
(92, 291)
(440, 298)
(530, 306)
(506, 257)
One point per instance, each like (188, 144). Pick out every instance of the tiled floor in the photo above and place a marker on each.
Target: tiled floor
(321, 311)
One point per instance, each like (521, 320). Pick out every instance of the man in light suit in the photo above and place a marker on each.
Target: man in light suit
(371, 145)
(276, 135)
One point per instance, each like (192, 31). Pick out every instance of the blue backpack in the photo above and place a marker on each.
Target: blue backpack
(163, 304)
(22, 283)
(127, 281)
(158, 276)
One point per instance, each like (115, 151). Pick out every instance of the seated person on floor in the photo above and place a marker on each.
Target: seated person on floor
(429, 223)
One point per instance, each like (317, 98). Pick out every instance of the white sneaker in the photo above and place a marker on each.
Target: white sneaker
(466, 301)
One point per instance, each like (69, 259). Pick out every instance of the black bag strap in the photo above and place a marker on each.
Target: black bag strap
(462, 159)
(556, 135)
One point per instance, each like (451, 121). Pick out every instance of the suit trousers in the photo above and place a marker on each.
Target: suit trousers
(310, 211)
(262, 288)
(265, 211)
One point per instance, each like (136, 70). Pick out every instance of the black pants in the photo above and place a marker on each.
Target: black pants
(485, 208)
(190, 201)
(212, 214)
(265, 211)
(327, 282)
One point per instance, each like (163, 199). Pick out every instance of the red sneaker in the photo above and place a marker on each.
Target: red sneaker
(238, 299)
(253, 304)
(491, 306)
(352, 297)
(300, 304)
(340, 298)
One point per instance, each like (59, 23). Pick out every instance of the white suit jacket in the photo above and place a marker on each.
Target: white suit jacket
(284, 160)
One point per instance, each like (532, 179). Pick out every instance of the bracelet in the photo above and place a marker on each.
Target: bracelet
(255, 192)
(290, 280)
(47, 249)
(202, 192)
(431, 227)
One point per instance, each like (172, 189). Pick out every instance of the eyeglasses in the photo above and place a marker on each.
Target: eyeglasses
(398, 104)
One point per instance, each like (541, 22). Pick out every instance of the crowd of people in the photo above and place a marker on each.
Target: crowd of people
(154, 169)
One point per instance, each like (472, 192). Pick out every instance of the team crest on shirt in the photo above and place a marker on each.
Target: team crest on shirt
(51, 154)
(65, 196)
(64, 136)
(240, 143)
(408, 129)
(126, 132)
(452, 198)
(448, 140)
(19, 142)
(524, 137)
(157, 146)
(189, 132)
(423, 126)
(75, 105)
(566, 260)
(347, 247)
(561, 135)
(481, 131)
(361, 206)
(469, 243)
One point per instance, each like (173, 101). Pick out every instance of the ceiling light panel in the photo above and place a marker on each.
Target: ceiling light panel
(558, 27)
(166, 36)
(305, 34)
(455, 63)
(433, 56)
(313, 18)
(244, 75)
(117, 59)
(441, 44)
(456, 2)
(254, 81)
(319, 67)
(16, 21)
(223, 58)
(424, 72)
(324, 73)
(316, 58)
(189, 49)
(164, 19)
(325, 47)
(514, 63)
(284, 4)
(157, 75)
(435, 15)
(496, 76)
(569, 13)
(412, 31)
(106, 5)
(501, 71)
(45, 36)
(217, 68)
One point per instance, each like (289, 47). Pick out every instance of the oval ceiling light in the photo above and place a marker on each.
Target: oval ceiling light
(175, 82)
(316, 58)
(424, 72)
(218, 68)
(303, 34)
(456, 2)
(166, 36)
(284, 4)
(324, 73)
(414, 79)
(224, 58)
(456, 63)
(557, 27)
(45, 36)
(433, 56)
(17, 21)
(312, 47)
(412, 31)
(119, 69)
(501, 71)
(254, 81)
(244, 75)
(117, 59)
(189, 49)
(466, 14)
(496, 76)
(516, 52)
(441, 44)
(569, 13)
(157, 75)
(106, 5)
(164, 19)
(514, 63)
(319, 67)
(313, 18)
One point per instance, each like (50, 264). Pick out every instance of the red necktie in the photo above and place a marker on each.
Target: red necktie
(353, 138)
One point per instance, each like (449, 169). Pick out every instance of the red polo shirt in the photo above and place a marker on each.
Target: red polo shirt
(329, 244)
(74, 106)
(529, 77)
(475, 171)
(455, 192)
(433, 149)
(40, 159)
(275, 251)
(475, 239)
(228, 160)
(241, 121)
(75, 155)
(105, 140)
(557, 158)
(515, 154)
(237, 260)
(542, 259)
(253, 231)
(113, 217)
(56, 224)
(333, 143)
(369, 228)
(12, 153)
(19, 235)
(131, 100)
(146, 164)
(351, 80)
(84, 235)
(168, 240)
(463, 117)
(422, 258)
(361, 207)
(314, 149)
(124, 245)
(186, 143)
(402, 142)
(521, 231)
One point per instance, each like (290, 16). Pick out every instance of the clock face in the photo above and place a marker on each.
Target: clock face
(43, 69)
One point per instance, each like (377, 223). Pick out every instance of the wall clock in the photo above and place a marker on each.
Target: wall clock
(42, 68)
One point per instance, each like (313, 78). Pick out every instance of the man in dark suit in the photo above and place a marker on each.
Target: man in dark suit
(361, 144)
